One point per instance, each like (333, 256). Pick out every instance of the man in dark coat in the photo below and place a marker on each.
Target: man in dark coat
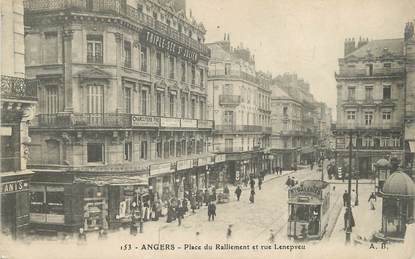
(260, 182)
(211, 211)
(252, 183)
(347, 213)
(206, 197)
(345, 198)
(252, 196)
(238, 192)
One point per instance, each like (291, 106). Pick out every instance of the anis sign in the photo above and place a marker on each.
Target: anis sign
(15, 186)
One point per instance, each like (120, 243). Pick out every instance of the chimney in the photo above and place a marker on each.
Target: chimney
(362, 42)
(179, 5)
(349, 46)
(409, 31)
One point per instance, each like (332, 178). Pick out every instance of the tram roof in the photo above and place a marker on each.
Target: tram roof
(314, 184)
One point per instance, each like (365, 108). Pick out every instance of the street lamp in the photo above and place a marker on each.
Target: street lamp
(349, 185)
(207, 179)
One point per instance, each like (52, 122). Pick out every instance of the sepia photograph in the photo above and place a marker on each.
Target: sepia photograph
(207, 129)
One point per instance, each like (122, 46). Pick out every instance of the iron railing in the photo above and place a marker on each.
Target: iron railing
(363, 72)
(18, 88)
(80, 120)
(114, 7)
(239, 128)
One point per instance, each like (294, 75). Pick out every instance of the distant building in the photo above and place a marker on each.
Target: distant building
(370, 102)
(298, 125)
(18, 101)
(240, 101)
(122, 109)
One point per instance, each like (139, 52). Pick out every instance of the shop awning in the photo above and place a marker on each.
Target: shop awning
(412, 146)
(102, 180)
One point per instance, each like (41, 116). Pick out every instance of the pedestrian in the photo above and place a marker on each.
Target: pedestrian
(211, 211)
(288, 182)
(311, 166)
(345, 198)
(260, 182)
(372, 200)
(206, 197)
(238, 192)
(348, 224)
(252, 196)
(102, 234)
(226, 190)
(81, 237)
(184, 206)
(252, 183)
(229, 232)
(271, 238)
(199, 198)
(193, 204)
(179, 213)
(353, 197)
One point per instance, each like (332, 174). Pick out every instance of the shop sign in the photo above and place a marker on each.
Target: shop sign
(184, 164)
(204, 124)
(202, 161)
(15, 186)
(168, 45)
(160, 169)
(170, 122)
(220, 158)
(188, 123)
(145, 121)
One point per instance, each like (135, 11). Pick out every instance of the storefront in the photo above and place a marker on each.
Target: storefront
(186, 178)
(217, 172)
(68, 202)
(14, 197)
(161, 180)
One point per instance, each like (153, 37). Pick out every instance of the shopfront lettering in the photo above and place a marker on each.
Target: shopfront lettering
(305, 191)
(145, 121)
(15, 186)
(166, 44)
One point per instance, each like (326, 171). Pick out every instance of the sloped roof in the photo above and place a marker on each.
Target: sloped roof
(279, 93)
(377, 48)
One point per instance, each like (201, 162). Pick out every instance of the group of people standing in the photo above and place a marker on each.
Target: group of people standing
(291, 182)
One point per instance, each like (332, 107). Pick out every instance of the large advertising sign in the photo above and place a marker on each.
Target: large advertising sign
(145, 121)
(169, 45)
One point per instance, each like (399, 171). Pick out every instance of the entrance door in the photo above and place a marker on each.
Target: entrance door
(8, 214)
(364, 169)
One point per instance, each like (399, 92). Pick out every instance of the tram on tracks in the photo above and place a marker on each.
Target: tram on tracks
(308, 210)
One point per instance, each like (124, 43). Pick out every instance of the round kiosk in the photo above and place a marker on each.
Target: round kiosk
(397, 207)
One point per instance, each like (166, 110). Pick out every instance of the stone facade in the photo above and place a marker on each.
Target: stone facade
(18, 101)
(239, 97)
(370, 106)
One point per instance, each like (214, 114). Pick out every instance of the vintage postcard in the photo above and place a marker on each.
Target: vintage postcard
(207, 129)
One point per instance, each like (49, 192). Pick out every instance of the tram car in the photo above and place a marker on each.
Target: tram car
(308, 210)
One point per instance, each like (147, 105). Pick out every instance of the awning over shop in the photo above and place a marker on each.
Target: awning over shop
(412, 146)
(102, 180)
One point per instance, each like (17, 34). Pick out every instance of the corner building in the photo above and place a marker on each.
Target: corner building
(370, 102)
(122, 108)
(240, 100)
(18, 102)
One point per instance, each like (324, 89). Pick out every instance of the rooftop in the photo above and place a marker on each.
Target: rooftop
(378, 48)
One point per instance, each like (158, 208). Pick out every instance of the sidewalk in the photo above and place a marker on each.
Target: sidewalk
(367, 221)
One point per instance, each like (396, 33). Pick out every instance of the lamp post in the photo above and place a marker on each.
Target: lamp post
(207, 179)
(357, 172)
(349, 207)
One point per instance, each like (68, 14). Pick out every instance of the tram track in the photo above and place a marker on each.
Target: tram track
(337, 215)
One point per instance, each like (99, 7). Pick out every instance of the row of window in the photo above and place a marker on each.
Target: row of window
(386, 93)
(369, 141)
(368, 116)
(229, 144)
(164, 149)
(262, 100)
(251, 118)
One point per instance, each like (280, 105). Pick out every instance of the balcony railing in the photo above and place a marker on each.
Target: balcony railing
(18, 88)
(217, 73)
(113, 120)
(239, 128)
(79, 120)
(113, 7)
(229, 99)
(361, 72)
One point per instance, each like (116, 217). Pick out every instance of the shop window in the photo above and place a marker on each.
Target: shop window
(128, 146)
(178, 149)
(159, 149)
(95, 152)
(47, 204)
(171, 148)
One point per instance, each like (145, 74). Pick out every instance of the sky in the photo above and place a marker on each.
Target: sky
(302, 36)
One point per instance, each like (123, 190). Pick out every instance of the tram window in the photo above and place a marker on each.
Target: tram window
(301, 213)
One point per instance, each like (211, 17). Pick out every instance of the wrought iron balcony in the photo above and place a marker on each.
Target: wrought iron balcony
(85, 120)
(363, 72)
(238, 128)
(232, 100)
(114, 7)
(18, 88)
